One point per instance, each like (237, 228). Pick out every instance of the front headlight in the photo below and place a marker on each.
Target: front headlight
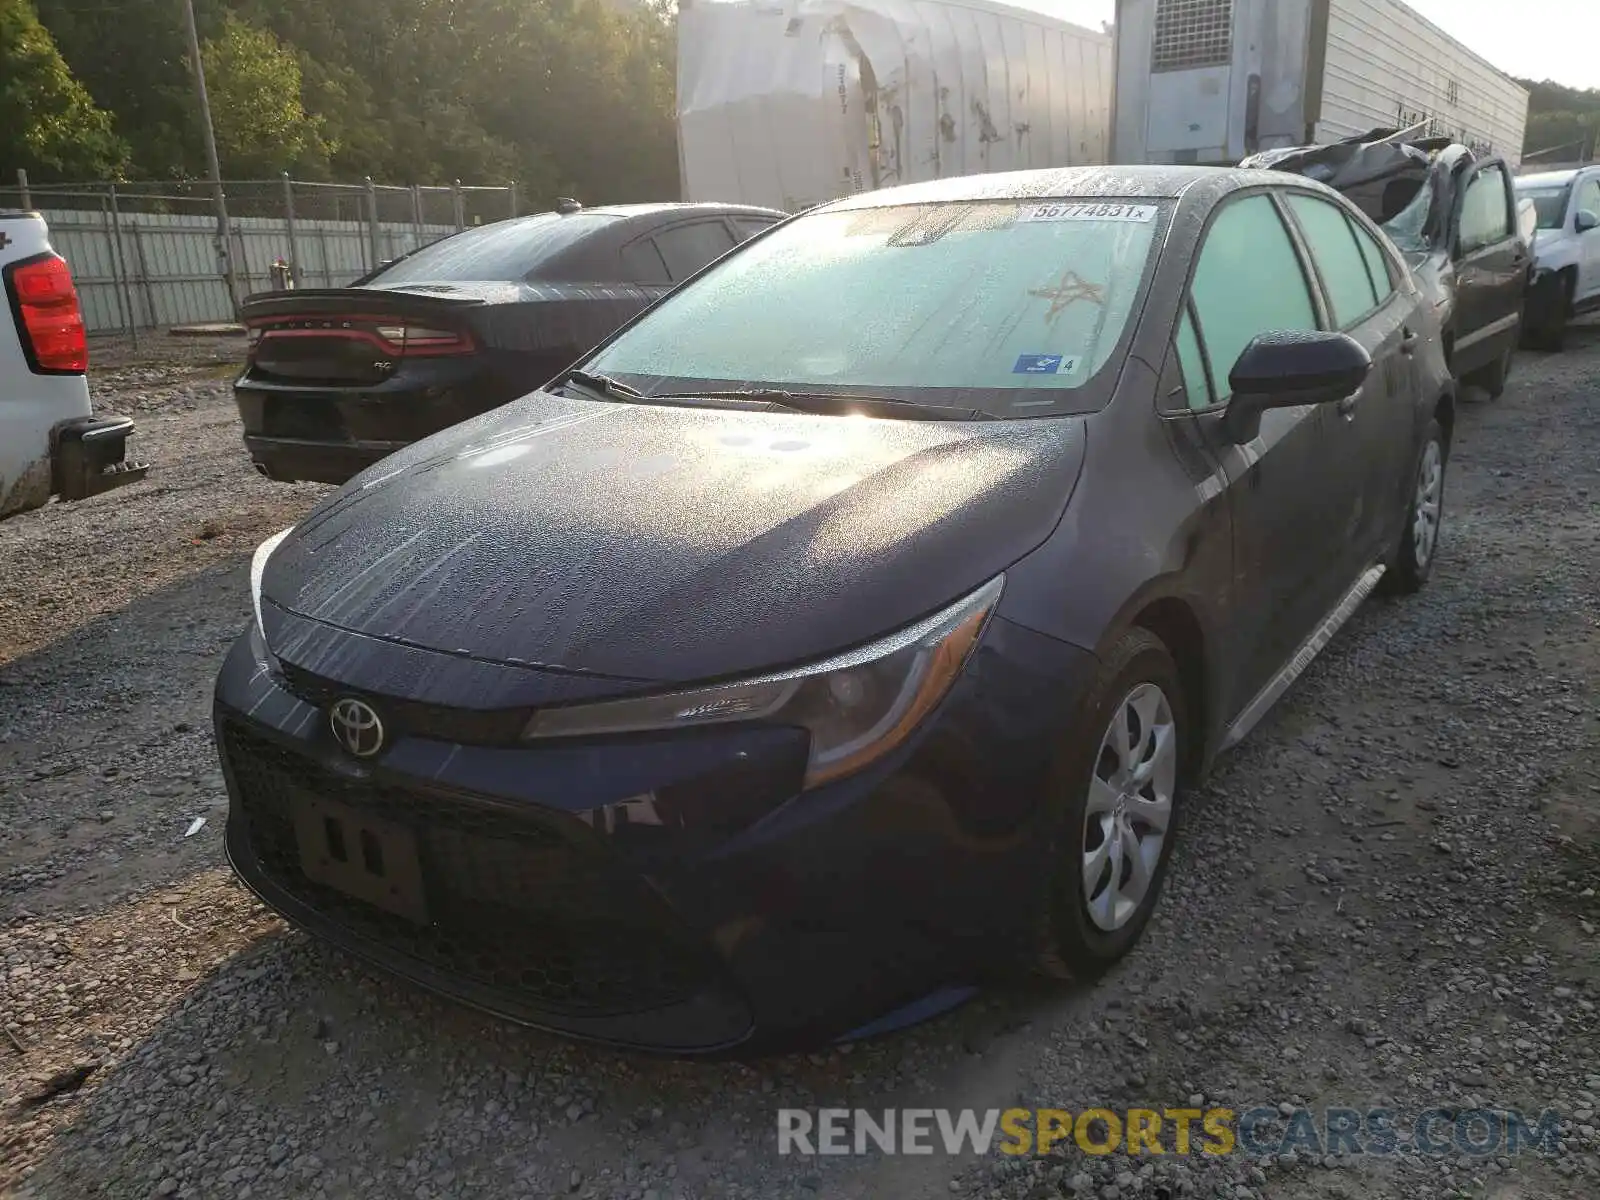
(858, 706)
(258, 568)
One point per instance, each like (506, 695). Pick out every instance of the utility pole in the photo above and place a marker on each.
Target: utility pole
(213, 164)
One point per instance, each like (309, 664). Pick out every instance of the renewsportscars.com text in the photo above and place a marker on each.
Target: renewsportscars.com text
(1258, 1131)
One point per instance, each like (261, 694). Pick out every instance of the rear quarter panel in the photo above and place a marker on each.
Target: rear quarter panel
(533, 340)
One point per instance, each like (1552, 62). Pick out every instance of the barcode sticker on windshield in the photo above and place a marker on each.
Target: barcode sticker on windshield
(1142, 213)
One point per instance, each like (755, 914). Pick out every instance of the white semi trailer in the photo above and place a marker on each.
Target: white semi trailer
(790, 103)
(1212, 81)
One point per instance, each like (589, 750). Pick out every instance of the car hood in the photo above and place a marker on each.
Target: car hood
(1551, 245)
(670, 544)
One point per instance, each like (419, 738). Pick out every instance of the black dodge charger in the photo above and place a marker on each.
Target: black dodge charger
(338, 378)
(849, 625)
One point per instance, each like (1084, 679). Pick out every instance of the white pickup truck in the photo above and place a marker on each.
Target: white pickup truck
(51, 444)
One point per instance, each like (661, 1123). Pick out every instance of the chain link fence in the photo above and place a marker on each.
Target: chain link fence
(153, 255)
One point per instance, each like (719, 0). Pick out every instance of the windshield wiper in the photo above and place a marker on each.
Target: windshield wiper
(831, 402)
(612, 389)
(804, 402)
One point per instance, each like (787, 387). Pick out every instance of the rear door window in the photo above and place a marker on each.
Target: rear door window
(748, 227)
(1378, 265)
(506, 251)
(1248, 281)
(1338, 256)
(642, 263)
(687, 248)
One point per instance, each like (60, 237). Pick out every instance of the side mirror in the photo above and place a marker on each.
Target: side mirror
(1287, 370)
(1585, 220)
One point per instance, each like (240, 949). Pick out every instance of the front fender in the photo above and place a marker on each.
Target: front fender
(1147, 531)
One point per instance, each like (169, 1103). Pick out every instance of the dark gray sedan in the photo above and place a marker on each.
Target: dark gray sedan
(849, 623)
(337, 378)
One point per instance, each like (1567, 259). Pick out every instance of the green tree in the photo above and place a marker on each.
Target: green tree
(132, 56)
(258, 116)
(1563, 119)
(568, 97)
(48, 124)
(1563, 136)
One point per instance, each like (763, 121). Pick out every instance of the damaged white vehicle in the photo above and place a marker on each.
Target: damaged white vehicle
(51, 444)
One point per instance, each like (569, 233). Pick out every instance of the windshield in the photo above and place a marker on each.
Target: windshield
(1549, 202)
(1004, 306)
(1407, 227)
(503, 252)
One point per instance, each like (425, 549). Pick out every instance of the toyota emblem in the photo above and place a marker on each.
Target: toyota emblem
(356, 727)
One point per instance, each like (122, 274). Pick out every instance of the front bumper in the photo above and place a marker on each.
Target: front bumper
(671, 894)
(528, 920)
(89, 455)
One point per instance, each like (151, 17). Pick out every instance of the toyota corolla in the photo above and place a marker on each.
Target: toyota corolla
(848, 626)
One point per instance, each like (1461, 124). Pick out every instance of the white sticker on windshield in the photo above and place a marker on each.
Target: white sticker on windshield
(1142, 213)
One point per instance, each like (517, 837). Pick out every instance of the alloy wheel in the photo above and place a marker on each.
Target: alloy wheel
(1429, 502)
(1129, 810)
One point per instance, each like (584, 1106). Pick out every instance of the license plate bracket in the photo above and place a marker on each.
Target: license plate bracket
(362, 856)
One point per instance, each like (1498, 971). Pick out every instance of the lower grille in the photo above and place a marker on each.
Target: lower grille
(515, 905)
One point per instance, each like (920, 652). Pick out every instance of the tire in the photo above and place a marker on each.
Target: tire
(1077, 940)
(1492, 378)
(1413, 559)
(1551, 333)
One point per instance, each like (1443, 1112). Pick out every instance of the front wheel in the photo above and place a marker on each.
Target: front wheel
(1413, 558)
(1116, 808)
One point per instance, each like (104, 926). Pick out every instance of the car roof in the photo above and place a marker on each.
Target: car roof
(687, 209)
(1129, 182)
(630, 216)
(1548, 178)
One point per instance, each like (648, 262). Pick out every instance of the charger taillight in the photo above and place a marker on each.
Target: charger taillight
(411, 341)
(49, 317)
(394, 339)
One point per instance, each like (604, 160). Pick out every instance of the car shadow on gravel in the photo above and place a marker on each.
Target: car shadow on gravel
(243, 1027)
(105, 745)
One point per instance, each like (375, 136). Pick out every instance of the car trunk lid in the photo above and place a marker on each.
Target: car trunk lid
(356, 336)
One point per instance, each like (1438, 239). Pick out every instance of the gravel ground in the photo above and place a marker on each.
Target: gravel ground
(1387, 896)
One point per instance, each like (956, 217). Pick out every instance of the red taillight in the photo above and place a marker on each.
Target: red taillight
(51, 318)
(394, 339)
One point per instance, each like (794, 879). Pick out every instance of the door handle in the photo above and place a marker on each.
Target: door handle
(1408, 342)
